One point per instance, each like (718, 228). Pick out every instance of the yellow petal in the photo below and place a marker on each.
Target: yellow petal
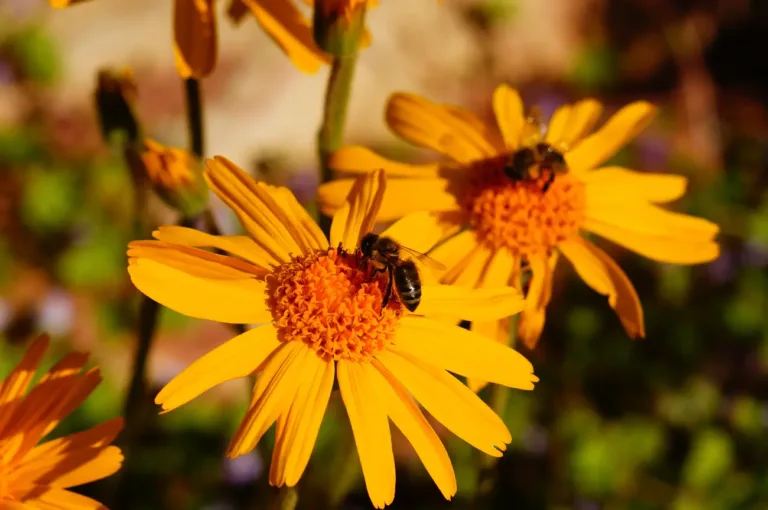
(470, 304)
(311, 237)
(498, 331)
(431, 125)
(16, 383)
(283, 22)
(651, 220)
(303, 422)
(370, 428)
(234, 301)
(49, 498)
(45, 455)
(407, 416)
(614, 184)
(605, 142)
(233, 359)
(74, 468)
(422, 230)
(273, 394)
(241, 246)
(508, 108)
(60, 4)
(357, 216)
(470, 270)
(654, 232)
(601, 273)
(271, 227)
(449, 402)
(531, 321)
(356, 159)
(661, 249)
(195, 261)
(194, 32)
(463, 352)
(404, 196)
(571, 123)
(454, 252)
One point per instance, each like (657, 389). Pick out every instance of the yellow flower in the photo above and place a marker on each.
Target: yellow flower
(513, 222)
(194, 35)
(176, 177)
(36, 475)
(291, 30)
(320, 316)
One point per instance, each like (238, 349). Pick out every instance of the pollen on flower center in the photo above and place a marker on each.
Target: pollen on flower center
(332, 304)
(520, 215)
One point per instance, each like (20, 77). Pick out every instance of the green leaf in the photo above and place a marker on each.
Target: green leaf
(710, 459)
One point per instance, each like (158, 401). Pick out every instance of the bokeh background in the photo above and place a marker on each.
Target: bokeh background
(675, 421)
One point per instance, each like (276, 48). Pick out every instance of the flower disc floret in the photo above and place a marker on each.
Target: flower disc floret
(333, 304)
(520, 215)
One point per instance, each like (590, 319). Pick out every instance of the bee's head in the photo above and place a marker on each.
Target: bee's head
(518, 163)
(551, 158)
(367, 244)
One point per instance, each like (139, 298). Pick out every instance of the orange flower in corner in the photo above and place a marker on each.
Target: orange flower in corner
(321, 317)
(194, 35)
(38, 476)
(527, 196)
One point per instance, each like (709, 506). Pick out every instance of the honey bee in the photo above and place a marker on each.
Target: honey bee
(531, 161)
(384, 254)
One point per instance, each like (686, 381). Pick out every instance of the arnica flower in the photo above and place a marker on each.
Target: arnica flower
(194, 35)
(529, 222)
(176, 177)
(319, 316)
(37, 476)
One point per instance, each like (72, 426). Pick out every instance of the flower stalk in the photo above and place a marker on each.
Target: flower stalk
(195, 116)
(331, 134)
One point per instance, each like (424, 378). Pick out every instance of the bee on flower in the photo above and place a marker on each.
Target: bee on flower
(325, 311)
(527, 196)
(38, 475)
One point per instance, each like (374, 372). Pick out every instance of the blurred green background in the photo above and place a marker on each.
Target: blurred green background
(675, 421)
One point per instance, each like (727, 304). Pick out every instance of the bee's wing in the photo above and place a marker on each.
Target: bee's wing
(423, 258)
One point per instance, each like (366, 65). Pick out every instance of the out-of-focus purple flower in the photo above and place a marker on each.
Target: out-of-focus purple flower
(546, 101)
(653, 151)
(722, 269)
(304, 185)
(57, 313)
(7, 76)
(535, 440)
(755, 254)
(585, 504)
(243, 470)
(5, 313)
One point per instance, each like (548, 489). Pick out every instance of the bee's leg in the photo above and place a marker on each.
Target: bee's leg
(388, 290)
(549, 181)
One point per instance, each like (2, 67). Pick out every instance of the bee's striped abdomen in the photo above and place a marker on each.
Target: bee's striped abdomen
(408, 284)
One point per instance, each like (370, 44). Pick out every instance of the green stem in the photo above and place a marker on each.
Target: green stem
(487, 472)
(346, 476)
(286, 499)
(331, 134)
(194, 115)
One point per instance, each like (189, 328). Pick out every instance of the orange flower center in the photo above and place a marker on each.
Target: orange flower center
(332, 304)
(519, 214)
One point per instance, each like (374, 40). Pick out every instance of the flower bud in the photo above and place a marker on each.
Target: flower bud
(176, 176)
(339, 26)
(115, 97)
